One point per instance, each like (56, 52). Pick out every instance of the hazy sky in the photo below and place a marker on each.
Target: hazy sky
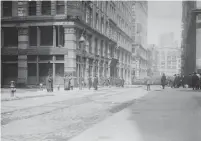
(164, 16)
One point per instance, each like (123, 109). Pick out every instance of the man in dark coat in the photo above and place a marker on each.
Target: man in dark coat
(49, 83)
(195, 81)
(163, 81)
(95, 83)
(66, 83)
(174, 83)
(89, 82)
(182, 81)
(190, 81)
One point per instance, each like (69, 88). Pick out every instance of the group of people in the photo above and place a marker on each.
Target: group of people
(191, 81)
(68, 83)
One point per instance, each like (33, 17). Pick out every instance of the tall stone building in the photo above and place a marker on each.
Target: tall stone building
(139, 47)
(81, 38)
(191, 35)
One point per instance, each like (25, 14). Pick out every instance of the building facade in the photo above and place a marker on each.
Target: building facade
(191, 35)
(169, 61)
(42, 37)
(139, 47)
(153, 60)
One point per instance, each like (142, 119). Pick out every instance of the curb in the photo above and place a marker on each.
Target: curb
(26, 97)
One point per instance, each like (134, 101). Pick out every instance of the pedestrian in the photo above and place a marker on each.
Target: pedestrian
(49, 83)
(123, 81)
(95, 83)
(148, 84)
(200, 81)
(189, 81)
(89, 82)
(195, 81)
(175, 80)
(66, 83)
(183, 81)
(41, 86)
(163, 81)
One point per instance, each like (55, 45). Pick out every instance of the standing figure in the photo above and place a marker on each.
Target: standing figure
(95, 83)
(189, 81)
(148, 84)
(182, 81)
(49, 83)
(163, 81)
(175, 79)
(89, 82)
(66, 83)
(195, 80)
(123, 81)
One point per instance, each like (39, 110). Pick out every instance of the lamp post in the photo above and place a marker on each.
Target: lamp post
(81, 41)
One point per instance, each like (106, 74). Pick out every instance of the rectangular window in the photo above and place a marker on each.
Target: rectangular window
(31, 69)
(97, 21)
(32, 8)
(59, 36)
(46, 35)
(60, 57)
(33, 36)
(31, 57)
(45, 57)
(7, 8)
(60, 7)
(102, 25)
(10, 36)
(96, 46)
(46, 7)
(9, 58)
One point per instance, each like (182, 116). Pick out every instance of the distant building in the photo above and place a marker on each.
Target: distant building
(191, 36)
(169, 61)
(139, 47)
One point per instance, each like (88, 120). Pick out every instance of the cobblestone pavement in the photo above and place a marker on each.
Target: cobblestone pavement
(62, 119)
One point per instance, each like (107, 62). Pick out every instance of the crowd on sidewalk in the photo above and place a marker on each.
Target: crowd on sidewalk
(89, 83)
(191, 81)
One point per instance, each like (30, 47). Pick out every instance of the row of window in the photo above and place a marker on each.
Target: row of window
(10, 35)
(32, 10)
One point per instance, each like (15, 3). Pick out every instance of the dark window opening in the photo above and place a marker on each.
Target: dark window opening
(59, 57)
(32, 8)
(102, 25)
(46, 36)
(59, 36)
(60, 7)
(45, 57)
(31, 69)
(46, 7)
(7, 8)
(31, 57)
(33, 36)
(9, 58)
(96, 24)
(10, 36)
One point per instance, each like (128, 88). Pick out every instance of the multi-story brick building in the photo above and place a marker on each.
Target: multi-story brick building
(39, 36)
(191, 35)
(139, 48)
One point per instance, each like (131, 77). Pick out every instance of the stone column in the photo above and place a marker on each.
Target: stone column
(38, 8)
(198, 44)
(54, 70)
(23, 40)
(93, 44)
(70, 58)
(93, 68)
(87, 70)
(109, 68)
(54, 36)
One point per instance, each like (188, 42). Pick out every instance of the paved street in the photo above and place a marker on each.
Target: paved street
(165, 115)
(108, 114)
(63, 115)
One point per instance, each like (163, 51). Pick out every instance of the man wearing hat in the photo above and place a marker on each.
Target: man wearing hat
(195, 80)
